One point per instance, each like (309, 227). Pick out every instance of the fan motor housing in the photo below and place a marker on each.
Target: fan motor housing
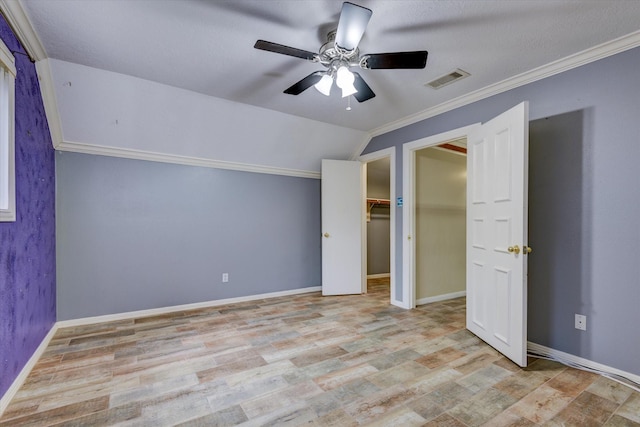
(329, 52)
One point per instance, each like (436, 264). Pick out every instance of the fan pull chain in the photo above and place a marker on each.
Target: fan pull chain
(348, 103)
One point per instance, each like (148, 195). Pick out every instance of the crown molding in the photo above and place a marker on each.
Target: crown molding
(60, 144)
(49, 100)
(21, 26)
(127, 153)
(360, 148)
(595, 53)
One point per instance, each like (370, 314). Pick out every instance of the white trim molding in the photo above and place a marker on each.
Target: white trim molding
(443, 297)
(626, 378)
(24, 373)
(59, 143)
(595, 53)
(7, 59)
(49, 100)
(408, 213)
(7, 135)
(128, 153)
(360, 148)
(183, 307)
(21, 25)
(26, 370)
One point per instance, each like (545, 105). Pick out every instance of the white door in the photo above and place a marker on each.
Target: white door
(342, 227)
(497, 161)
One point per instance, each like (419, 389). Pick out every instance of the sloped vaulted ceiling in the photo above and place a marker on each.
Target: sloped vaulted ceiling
(102, 112)
(179, 80)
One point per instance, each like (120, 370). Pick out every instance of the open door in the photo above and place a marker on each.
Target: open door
(497, 164)
(342, 227)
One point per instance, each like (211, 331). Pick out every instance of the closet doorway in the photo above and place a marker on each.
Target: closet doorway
(440, 222)
(379, 239)
(439, 163)
(496, 279)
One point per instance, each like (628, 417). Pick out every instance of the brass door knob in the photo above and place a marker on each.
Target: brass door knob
(326, 234)
(514, 249)
(527, 249)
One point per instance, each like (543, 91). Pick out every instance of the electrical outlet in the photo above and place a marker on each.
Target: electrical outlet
(225, 277)
(581, 322)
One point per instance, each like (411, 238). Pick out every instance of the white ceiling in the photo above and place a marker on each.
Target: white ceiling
(206, 46)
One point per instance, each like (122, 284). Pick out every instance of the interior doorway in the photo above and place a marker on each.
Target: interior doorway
(379, 238)
(451, 141)
(496, 279)
(378, 219)
(440, 222)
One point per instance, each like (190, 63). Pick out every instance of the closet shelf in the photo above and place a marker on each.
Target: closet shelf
(372, 202)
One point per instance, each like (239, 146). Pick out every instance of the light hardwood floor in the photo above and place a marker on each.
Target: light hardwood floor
(305, 360)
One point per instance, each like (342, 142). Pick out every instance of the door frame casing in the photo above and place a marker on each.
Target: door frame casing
(370, 157)
(408, 214)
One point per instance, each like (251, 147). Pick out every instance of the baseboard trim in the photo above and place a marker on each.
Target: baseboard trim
(626, 378)
(166, 310)
(443, 297)
(26, 370)
(378, 276)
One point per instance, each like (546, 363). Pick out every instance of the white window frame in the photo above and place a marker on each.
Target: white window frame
(7, 135)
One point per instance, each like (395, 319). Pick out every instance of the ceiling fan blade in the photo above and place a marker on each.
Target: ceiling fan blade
(364, 91)
(305, 83)
(353, 21)
(285, 50)
(414, 60)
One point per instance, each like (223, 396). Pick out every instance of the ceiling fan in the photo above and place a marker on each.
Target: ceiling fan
(341, 52)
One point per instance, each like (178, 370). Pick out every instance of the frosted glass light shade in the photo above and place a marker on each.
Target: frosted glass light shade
(324, 85)
(344, 77)
(344, 80)
(353, 22)
(349, 90)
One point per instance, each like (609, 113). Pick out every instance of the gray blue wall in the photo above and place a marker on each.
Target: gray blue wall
(602, 199)
(27, 246)
(136, 235)
(559, 211)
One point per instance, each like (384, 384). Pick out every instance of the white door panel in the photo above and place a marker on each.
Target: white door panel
(342, 227)
(497, 229)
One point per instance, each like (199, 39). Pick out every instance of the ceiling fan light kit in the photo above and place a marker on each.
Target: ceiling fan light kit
(340, 52)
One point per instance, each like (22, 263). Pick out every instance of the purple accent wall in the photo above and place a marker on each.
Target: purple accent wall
(27, 246)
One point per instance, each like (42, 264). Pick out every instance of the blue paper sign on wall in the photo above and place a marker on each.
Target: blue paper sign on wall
(399, 202)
